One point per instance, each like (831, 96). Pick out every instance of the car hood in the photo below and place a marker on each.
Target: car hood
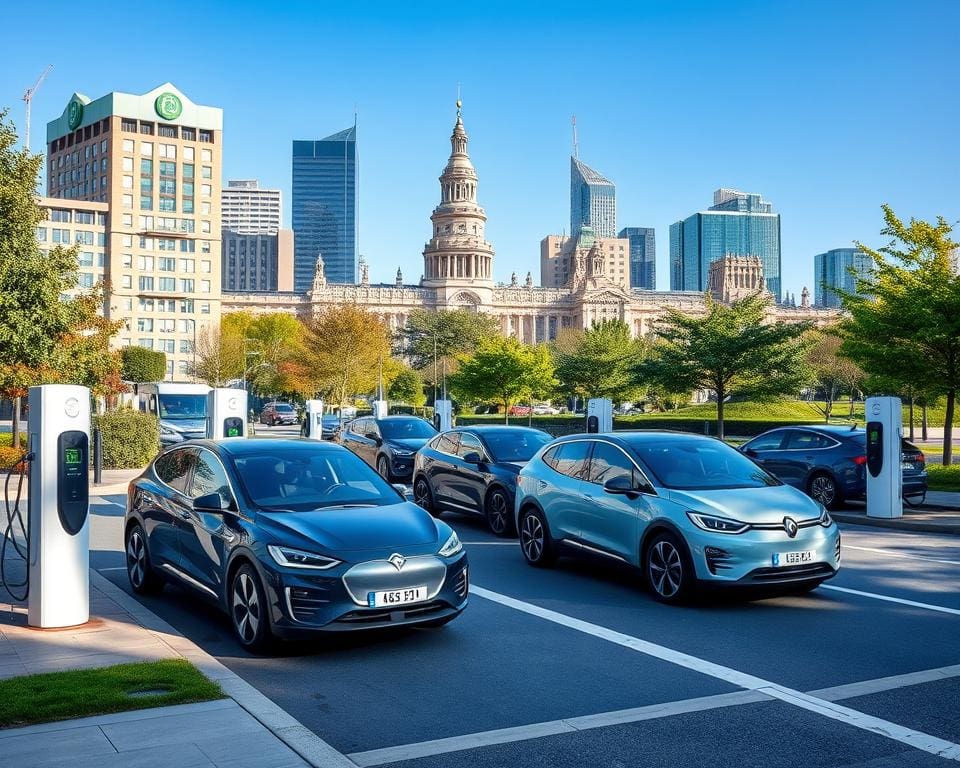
(409, 443)
(355, 528)
(750, 505)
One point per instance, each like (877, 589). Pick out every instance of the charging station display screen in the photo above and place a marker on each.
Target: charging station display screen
(72, 482)
(72, 456)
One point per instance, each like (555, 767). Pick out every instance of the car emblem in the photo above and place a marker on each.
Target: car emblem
(396, 560)
(790, 526)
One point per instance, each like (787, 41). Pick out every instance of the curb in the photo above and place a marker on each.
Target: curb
(914, 526)
(280, 723)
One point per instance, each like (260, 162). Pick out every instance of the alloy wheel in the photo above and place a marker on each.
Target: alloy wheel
(531, 538)
(497, 513)
(383, 468)
(666, 568)
(421, 494)
(822, 488)
(136, 559)
(246, 608)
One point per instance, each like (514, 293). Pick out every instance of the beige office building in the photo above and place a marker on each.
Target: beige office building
(155, 161)
(74, 222)
(558, 257)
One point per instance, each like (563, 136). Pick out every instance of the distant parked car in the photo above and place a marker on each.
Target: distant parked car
(388, 445)
(829, 462)
(545, 410)
(278, 413)
(520, 410)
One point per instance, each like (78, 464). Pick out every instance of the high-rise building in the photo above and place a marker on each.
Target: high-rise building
(558, 257)
(838, 268)
(155, 160)
(325, 180)
(643, 256)
(257, 253)
(737, 224)
(68, 222)
(247, 208)
(593, 201)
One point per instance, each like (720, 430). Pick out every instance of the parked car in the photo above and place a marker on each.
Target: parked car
(829, 462)
(290, 537)
(278, 413)
(329, 427)
(545, 410)
(388, 445)
(687, 510)
(474, 469)
(519, 410)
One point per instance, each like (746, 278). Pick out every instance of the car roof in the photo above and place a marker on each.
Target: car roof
(486, 429)
(234, 446)
(395, 417)
(637, 436)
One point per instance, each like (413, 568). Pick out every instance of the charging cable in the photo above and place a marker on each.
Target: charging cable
(16, 533)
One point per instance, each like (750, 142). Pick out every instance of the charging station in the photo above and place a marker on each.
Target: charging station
(59, 503)
(599, 415)
(226, 413)
(313, 420)
(443, 415)
(884, 473)
(379, 409)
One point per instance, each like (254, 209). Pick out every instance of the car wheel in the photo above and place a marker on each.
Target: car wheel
(499, 513)
(143, 579)
(669, 574)
(383, 468)
(535, 539)
(823, 488)
(248, 610)
(423, 496)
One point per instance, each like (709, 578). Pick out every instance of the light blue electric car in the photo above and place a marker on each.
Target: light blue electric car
(687, 510)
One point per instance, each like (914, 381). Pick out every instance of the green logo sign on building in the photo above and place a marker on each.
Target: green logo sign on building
(74, 114)
(168, 106)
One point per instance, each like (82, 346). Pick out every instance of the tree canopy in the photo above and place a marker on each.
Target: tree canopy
(140, 364)
(455, 332)
(597, 362)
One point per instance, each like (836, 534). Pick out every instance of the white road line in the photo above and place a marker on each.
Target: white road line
(890, 599)
(99, 501)
(916, 739)
(891, 553)
(867, 687)
(113, 568)
(493, 543)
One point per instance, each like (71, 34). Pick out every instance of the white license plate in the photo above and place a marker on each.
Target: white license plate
(906, 465)
(793, 558)
(393, 597)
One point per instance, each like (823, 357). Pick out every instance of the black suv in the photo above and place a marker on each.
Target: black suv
(388, 445)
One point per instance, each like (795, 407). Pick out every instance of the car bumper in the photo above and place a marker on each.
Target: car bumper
(402, 466)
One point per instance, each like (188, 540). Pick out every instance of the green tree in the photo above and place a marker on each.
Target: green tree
(407, 387)
(504, 371)
(830, 370)
(219, 355)
(140, 364)
(432, 340)
(277, 341)
(730, 350)
(597, 362)
(905, 315)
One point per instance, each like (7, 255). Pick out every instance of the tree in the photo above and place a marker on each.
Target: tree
(219, 355)
(407, 387)
(831, 370)
(597, 362)
(434, 339)
(140, 364)
(730, 350)
(277, 340)
(504, 371)
(905, 314)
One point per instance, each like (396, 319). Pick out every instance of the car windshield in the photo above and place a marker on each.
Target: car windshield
(330, 419)
(283, 407)
(515, 444)
(701, 465)
(304, 480)
(406, 429)
(174, 407)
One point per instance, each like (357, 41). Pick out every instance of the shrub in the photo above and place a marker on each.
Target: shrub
(8, 457)
(140, 364)
(130, 438)
(6, 439)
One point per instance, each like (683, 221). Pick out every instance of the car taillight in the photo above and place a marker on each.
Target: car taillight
(920, 459)
(859, 460)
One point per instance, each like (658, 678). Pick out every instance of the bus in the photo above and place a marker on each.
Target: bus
(181, 408)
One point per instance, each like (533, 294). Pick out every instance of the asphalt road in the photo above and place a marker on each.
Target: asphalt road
(576, 666)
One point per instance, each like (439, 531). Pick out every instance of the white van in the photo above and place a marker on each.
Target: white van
(181, 408)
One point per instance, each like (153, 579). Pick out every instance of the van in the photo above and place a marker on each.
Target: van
(181, 408)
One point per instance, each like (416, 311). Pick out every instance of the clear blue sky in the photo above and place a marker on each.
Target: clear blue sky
(826, 108)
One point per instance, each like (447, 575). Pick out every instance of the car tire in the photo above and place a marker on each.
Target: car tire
(668, 570)
(823, 488)
(143, 579)
(498, 513)
(249, 611)
(383, 468)
(423, 496)
(535, 540)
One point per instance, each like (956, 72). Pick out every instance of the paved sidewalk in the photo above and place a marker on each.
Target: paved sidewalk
(918, 520)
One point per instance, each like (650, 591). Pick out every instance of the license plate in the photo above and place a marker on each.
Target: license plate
(793, 558)
(393, 597)
(906, 465)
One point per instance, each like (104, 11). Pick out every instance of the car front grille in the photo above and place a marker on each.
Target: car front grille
(385, 616)
(790, 573)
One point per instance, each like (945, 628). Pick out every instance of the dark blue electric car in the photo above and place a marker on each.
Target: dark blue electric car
(829, 462)
(290, 537)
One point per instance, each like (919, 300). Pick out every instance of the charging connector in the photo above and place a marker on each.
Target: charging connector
(16, 533)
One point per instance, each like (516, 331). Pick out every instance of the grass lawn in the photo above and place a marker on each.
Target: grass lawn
(943, 478)
(85, 692)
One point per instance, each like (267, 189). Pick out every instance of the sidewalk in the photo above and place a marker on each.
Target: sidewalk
(114, 482)
(940, 513)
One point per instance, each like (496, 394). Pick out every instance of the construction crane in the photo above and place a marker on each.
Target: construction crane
(28, 97)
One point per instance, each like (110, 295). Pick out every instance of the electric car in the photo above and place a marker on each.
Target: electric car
(388, 444)
(290, 537)
(686, 510)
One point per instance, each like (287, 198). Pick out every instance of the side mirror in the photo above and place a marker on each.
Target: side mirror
(375, 437)
(621, 485)
(473, 458)
(749, 452)
(211, 502)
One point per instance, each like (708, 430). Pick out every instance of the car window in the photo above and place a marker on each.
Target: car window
(469, 444)
(608, 461)
(449, 442)
(356, 426)
(768, 442)
(515, 444)
(283, 407)
(551, 457)
(685, 464)
(406, 429)
(572, 458)
(173, 468)
(370, 428)
(804, 440)
(209, 477)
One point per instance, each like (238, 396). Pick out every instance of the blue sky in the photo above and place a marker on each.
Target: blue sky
(828, 109)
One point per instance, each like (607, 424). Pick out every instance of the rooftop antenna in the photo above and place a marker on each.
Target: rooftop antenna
(459, 102)
(576, 144)
(28, 97)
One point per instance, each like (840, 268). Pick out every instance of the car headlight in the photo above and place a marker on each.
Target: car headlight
(297, 558)
(165, 430)
(402, 453)
(717, 524)
(452, 547)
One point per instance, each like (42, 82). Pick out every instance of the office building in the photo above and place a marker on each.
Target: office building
(325, 177)
(558, 257)
(246, 207)
(257, 253)
(593, 201)
(737, 224)
(69, 222)
(838, 268)
(643, 256)
(155, 160)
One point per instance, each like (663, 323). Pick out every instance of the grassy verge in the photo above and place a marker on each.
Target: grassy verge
(941, 478)
(85, 692)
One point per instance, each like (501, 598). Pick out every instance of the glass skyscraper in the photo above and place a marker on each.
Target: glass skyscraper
(643, 256)
(593, 201)
(324, 213)
(738, 224)
(838, 268)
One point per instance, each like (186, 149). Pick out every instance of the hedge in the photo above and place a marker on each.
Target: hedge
(130, 438)
(8, 457)
(571, 425)
(6, 439)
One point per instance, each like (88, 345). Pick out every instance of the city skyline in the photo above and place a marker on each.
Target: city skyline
(519, 109)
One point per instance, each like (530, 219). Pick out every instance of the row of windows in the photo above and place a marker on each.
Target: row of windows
(166, 345)
(166, 151)
(168, 305)
(66, 216)
(167, 325)
(165, 284)
(166, 130)
(81, 134)
(165, 264)
(58, 235)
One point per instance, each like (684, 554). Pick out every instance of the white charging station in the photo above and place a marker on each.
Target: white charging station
(884, 473)
(599, 415)
(313, 420)
(226, 413)
(379, 409)
(443, 415)
(59, 503)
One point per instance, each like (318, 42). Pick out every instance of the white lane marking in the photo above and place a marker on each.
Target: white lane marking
(881, 684)
(889, 599)
(891, 553)
(99, 501)
(916, 739)
(113, 568)
(494, 543)
(551, 728)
